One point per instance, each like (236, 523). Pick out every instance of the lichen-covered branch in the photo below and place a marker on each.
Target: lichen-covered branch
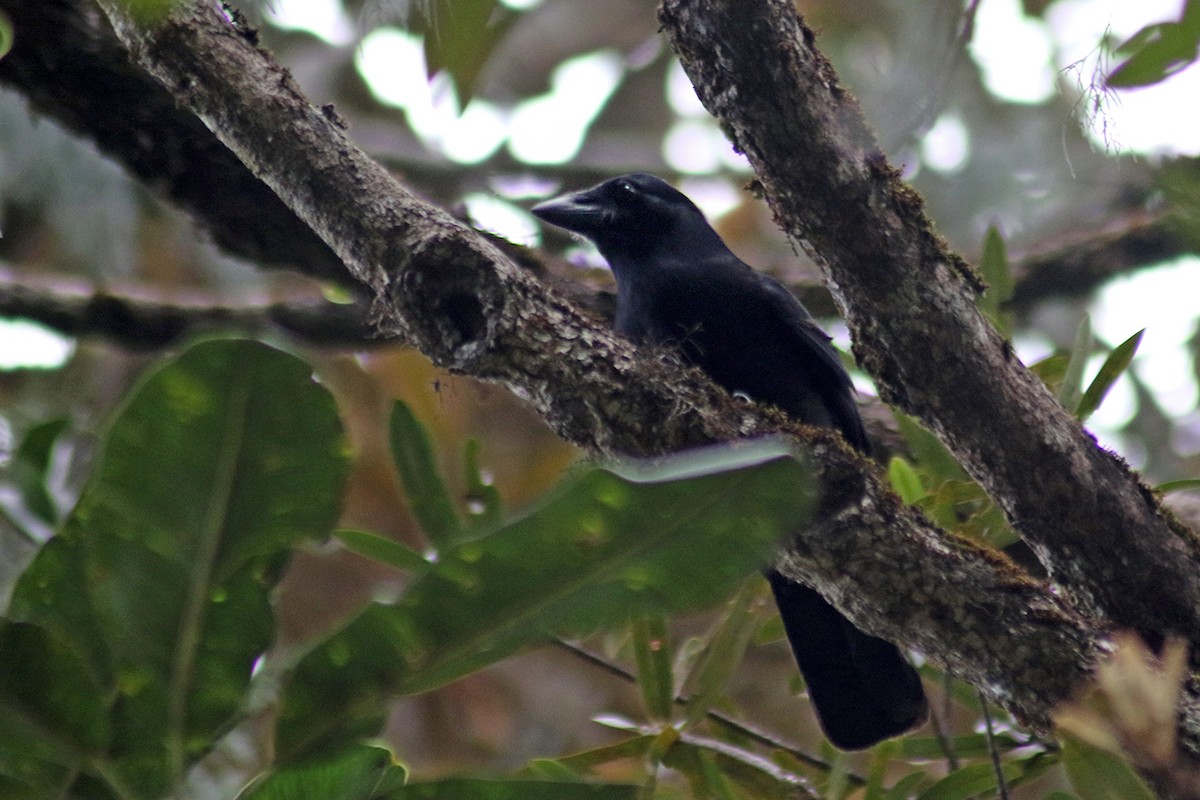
(910, 304)
(471, 309)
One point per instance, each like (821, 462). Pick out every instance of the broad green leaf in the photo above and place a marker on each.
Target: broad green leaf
(1113, 367)
(217, 463)
(608, 544)
(353, 775)
(1098, 775)
(483, 499)
(905, 480)
(46, 692)
(423, 486)
(1071, 390)
(381, 549)
(13, 789)
(511, 789)
(30, 468)
(723, 652)
(652, 652)
(994, 268)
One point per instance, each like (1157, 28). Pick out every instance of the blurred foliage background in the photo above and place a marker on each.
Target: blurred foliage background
(524, 99)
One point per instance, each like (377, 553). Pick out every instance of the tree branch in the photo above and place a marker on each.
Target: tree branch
(472, 310)
(1079, 265)
(83, 310)
(69, 65)
(910, 304)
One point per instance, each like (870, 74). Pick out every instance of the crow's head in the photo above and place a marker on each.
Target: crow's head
(630, 216)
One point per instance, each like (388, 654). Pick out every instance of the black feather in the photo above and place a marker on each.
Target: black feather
(679, 285)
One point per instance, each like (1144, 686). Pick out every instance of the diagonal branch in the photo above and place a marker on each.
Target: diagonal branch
(910, 304)
(69, 65)
(471, 309)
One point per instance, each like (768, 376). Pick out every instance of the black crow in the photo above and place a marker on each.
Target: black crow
(679, 285)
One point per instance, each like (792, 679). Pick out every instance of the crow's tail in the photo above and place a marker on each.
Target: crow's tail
(862, 687)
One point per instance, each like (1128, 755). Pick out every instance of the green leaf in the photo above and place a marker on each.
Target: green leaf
(1052, 370)
(705, 779)
(652, 651)
(217, 463)
(1071, 390)
(934, 461)
(483, 499)
(635, 747)
(381, 549)
(905, 480)
(1113, 367)
(907, 786)
(150, 12)
(971, 745)
(1181, 485)
(608, 544)
(353, 775)
(1099, 775)
(513, 789)
(969, 781)
(459, 36)
(6, 34)
(723, 652)
(46, 692)
(715, 768)
(30, 469)
(882, 756)
(423, 486)
(1159, 50)
(994, 268)
(549, 769)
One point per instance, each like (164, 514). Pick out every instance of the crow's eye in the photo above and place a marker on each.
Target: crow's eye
(627, 189)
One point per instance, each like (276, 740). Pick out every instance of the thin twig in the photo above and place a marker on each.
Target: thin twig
(939, 720)
(730, 724)
(1001, 784)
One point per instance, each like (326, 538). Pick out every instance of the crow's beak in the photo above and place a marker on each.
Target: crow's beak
(575, 212)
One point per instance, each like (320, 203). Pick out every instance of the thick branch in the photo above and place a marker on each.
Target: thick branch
(910, 304)
(69, 65)
(471, 309)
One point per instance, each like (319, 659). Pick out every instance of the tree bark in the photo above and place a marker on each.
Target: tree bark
(911, 307)
(909, 301)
